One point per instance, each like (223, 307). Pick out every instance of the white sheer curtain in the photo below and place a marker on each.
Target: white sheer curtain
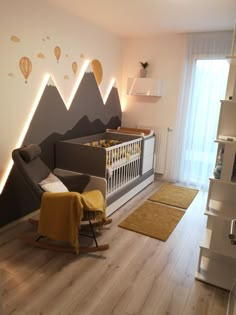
(193, 148)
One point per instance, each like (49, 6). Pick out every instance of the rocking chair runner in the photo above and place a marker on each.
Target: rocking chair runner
(61, 212)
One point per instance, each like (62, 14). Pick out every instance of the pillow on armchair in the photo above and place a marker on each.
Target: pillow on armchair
(52, 184)
(30, 152)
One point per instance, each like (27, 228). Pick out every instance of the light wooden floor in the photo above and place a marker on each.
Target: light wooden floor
(137, 275)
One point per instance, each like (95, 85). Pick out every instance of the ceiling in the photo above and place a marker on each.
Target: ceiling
(135, 18)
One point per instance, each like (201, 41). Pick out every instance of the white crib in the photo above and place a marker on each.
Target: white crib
(123, 164)
(117, 159)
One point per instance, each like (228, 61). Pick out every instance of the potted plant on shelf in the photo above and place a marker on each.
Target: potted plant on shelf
(143, 70)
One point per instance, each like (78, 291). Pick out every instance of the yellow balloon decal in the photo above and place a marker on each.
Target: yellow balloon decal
(15, 39)
(97, 70)
(25, 67)
(57, 52)
(40, 55)
(74, 67)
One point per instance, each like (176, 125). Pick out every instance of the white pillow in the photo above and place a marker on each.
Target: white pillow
(52, 184)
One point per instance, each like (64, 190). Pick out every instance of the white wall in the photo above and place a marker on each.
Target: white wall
(166, 55)
(39, 28)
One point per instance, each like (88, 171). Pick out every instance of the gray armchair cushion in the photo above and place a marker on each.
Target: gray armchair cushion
(74, 182)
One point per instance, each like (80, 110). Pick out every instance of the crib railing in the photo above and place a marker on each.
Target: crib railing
(123, 164)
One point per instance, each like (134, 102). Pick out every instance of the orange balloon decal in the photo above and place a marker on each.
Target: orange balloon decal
(97, 70)
(57, 52)
(74, 67)
(25, 67)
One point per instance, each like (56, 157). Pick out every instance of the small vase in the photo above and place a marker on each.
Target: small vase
(143, 73)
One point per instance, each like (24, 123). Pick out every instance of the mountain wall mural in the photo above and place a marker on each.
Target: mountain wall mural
(52, 122)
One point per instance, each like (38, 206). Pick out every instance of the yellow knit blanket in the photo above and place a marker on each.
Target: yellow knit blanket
(61, 213)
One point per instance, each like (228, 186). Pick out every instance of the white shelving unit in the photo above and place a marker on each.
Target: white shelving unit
(217, 257)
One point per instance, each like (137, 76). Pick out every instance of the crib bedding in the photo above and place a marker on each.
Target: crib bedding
(121, 154)
(103, 143)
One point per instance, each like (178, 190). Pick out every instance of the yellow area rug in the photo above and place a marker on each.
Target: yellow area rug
(153, 219)
(174, 195)
(158, 216)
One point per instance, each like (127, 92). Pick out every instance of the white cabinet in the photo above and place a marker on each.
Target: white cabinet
(148, 155)
(217, 258)
(144, 86)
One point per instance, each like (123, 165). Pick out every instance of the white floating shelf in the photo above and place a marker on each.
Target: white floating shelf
(144, 87)
(217, 271)
(231, 60)
(221, 181)
(224, 209)
(218, 244)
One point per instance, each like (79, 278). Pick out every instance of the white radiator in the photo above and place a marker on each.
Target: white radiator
(161, 147)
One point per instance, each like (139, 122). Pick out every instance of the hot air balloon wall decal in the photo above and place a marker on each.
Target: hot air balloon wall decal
(25, 67)
(57, 53)
(97, 70)
(74, 67)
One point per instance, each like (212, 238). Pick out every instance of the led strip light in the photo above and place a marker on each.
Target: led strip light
(35, 105)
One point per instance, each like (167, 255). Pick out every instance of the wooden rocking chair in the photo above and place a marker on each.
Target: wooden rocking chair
(64, 201)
